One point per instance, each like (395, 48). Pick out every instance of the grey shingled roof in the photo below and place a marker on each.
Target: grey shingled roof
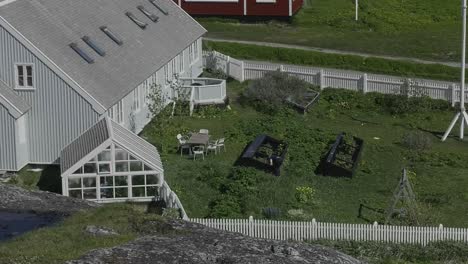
(84, 144)
(51, 25)
(15, 104)
(102, 131)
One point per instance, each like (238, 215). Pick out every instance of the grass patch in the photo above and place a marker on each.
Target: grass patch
(427, 29)
(337, 61)
(218, 187)
(386, 253)
(67, 240)
(48, 179)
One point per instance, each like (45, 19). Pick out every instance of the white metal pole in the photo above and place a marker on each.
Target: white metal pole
(462, 114)
(357, 9)
(463, 66)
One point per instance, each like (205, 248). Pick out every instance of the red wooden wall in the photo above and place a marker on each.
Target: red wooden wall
(280, 8)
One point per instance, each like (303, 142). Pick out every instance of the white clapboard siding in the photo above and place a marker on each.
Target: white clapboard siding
(312, 230)
(333, 78)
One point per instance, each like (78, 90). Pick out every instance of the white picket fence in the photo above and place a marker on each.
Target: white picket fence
(312, 230)
(333, 78)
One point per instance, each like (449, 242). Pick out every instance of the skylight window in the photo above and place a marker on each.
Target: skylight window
(150, 15)
(82, 53)
(111, 35)
(94, 46)
(139, 23)
(158, 7)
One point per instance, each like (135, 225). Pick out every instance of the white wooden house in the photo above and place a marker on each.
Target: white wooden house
(70, 69)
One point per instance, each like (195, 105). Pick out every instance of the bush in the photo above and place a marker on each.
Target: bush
(225, 206)
(274, 88)
(338, 61)
(304, 194)
(417, 141)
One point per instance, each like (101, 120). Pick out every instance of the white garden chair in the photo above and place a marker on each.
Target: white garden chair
(213, 146)
(220, 144)
(182, 144)
(198, 150)
(204, 131)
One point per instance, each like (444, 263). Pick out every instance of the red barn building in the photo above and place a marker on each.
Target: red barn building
(274, 8)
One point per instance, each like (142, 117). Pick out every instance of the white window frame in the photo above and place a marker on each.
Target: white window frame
(25, 77)
(266, 1)
(181, 62)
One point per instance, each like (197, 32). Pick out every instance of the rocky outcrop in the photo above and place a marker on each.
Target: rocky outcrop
(194, 243)
(14, 198)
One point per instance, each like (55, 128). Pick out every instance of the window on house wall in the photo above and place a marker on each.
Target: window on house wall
(120, 112)
(24, 76)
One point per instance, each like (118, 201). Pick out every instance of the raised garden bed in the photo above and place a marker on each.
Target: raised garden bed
(307, 101)
(267, 151)
(343, 157)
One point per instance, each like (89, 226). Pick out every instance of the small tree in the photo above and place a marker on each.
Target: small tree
(156, 104)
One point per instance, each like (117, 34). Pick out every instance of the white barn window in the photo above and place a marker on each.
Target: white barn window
(24, 74)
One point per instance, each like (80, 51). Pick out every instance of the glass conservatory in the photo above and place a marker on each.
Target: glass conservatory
(109, 163)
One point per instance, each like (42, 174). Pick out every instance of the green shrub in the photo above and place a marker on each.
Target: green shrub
(274, 88)
(225, 206)
(348, 62)
(304, 194)
(417, 141)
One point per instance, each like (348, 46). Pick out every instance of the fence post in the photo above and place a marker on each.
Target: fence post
(364, 83)
(314, 229)
(228, 66)
(452, 90)
(441, 232)
(321, 79)
(242, 72)
(374, 231)
(250, 232)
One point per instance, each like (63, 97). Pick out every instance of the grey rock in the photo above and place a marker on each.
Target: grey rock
(100, 231)
(194, 243)
(14, 198)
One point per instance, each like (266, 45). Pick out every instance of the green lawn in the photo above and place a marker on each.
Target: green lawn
(428, 29)
(211, 188)
(67, 240)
